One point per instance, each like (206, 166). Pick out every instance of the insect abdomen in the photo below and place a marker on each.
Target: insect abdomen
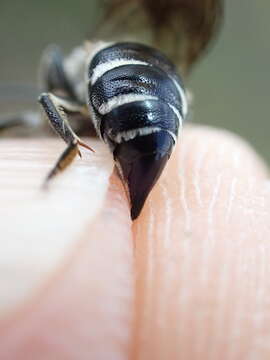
(138, 105)
(122, 75)
(143, 117)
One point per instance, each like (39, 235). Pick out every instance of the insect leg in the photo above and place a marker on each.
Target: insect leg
(56, 108)
(52, 72)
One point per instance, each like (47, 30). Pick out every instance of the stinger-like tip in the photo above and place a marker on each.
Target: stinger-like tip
(142, 176)
(141, 162)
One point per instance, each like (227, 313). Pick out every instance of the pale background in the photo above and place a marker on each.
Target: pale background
(231, 85)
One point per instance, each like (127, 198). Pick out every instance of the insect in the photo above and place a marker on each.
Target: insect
(135, 100)
(131, 93)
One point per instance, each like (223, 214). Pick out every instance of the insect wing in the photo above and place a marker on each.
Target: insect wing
(182, 29)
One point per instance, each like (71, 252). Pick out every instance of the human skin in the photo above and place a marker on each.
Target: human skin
(189, 279)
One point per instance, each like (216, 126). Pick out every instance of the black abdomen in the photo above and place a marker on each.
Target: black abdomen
(137, 104)
(131, 87)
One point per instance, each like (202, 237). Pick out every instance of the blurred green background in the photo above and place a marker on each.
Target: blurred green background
(230, 86)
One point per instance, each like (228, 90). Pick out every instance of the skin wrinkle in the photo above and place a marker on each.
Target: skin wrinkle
(261, 299)
(223, 314)
(246, 315)
(205, 256)
(201, 150)
(221, 270)
(184, 223)
(201, 318)
(158, 278)
(144, 251)
(206, 253)
(197, 168)
(182, 181)
(168, 216)
(170, 260)
(258, 319)
(206, 250)
(232, 197)
(163, 301)
(231, 349)
(212, 204)
(150, 268)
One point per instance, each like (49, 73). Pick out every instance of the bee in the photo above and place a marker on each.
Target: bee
(136, 102)
(131, 92)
